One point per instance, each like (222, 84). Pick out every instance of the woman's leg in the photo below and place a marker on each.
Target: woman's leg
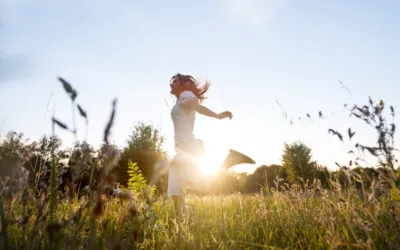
(179, 204)
(182, 172)
(175, 186)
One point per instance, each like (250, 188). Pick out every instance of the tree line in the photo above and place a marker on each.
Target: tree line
(78, 167)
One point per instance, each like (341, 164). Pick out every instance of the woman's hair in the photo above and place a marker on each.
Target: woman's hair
(189, 83)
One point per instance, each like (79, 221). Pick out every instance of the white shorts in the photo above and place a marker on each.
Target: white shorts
(184, 168)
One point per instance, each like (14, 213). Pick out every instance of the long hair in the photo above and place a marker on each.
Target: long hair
(189, 83)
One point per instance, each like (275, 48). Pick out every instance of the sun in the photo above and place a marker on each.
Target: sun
(209, 164)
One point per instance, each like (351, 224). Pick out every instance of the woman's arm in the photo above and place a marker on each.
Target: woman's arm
(207, 112)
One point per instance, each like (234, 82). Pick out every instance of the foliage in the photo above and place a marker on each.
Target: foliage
(136, 182)
(144, 147)
(373, 115)
(84, 167)
(384, 152)
(296, 159)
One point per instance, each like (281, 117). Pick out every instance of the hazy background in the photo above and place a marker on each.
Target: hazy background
(252, 51)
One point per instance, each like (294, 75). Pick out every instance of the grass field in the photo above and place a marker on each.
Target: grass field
(292, 219)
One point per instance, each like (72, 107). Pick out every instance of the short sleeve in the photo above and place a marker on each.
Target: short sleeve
(187, 97)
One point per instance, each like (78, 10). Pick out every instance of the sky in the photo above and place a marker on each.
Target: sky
(255, 53)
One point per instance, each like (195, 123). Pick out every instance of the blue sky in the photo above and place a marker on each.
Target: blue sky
(253, 52)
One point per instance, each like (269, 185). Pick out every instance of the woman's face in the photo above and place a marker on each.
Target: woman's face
(176, 87)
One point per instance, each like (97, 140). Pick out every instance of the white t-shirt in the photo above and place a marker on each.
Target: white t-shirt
(184, 118)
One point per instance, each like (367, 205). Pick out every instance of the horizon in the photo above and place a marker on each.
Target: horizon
(255, 53)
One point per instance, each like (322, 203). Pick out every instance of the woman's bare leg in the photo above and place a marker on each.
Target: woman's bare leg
(179, 204)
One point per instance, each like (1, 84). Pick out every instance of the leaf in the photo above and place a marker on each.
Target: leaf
(378, 109)
(366, 112)
(371, 150)
(68, 88)
(335, 133)
(351, 134)
(110, 121)
(345, 232)
(82, 112)
(136, 182)
(62, 125)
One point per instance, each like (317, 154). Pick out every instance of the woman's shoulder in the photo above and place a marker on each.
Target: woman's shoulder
(187, 95)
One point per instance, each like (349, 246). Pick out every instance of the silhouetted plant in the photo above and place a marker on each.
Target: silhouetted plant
(373, 115)
(297, 160)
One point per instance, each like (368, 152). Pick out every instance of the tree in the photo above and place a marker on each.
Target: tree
(322, 173)
(83, 166)
(33, 158)
(13, 150)
(144, 147)
(296, 159)
(40, 160)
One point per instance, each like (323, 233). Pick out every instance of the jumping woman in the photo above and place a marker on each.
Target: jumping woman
(184, 165)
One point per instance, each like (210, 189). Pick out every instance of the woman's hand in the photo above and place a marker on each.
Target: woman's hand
(225, 114)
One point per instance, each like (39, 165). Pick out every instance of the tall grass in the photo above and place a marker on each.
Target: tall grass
(295, 219)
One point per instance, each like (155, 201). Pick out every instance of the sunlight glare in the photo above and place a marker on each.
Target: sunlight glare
(209, 164)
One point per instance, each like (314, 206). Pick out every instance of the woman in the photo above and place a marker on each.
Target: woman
(190, 96)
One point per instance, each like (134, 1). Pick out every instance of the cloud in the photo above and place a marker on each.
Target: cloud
(15, 66)
(254, 12)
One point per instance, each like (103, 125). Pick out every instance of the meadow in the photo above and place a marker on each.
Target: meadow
(291, 219)
(361, 213)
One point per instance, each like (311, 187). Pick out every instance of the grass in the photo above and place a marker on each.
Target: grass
(292, 219)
